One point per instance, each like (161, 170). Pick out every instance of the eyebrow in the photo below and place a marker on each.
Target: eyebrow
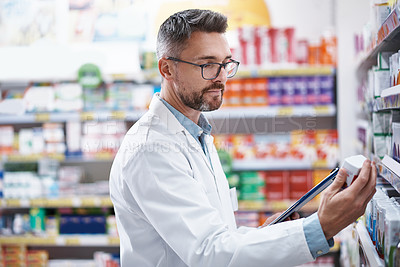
(212, 57)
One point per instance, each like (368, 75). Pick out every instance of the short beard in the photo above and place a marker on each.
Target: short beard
(196, 101)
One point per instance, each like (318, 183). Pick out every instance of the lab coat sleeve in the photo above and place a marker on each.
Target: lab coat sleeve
(159, 178)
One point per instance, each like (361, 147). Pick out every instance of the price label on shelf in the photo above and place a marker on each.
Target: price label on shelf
(103, 156)
(87, 116)
(320, 164)
(321, 110)
(40, 241)
(13, 203)
(90, 202)
(285, 111)
(60, 202)
(118, 115)
(106, 202)
(243, 74)
(38, 202)
(42, 117)
(113, 240)
(72, 241)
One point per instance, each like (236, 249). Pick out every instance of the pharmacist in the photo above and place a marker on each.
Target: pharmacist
(171, 197)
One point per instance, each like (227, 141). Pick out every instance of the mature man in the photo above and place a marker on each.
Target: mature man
(171, 197)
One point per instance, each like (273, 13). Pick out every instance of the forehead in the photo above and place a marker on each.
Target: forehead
(206, 45)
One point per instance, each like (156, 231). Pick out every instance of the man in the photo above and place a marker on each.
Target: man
(171, 197)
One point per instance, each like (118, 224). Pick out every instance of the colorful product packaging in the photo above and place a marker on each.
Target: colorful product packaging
(326, 84)
(300, 183)
(275, 91)
(288, 91)
(300, 91)
(276, 185)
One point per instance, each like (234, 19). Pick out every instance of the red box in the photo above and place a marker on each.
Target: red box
(276, 185)
(300, 183)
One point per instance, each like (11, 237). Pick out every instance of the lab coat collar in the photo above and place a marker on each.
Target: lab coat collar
(158, 108)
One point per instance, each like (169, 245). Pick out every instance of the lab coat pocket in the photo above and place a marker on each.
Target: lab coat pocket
(234, 199)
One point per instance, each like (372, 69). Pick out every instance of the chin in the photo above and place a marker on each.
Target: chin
(211, 106)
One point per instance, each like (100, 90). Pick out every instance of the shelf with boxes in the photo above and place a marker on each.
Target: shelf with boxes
(273, 191)
(76, 202)
(25, 255)
(382, 35)
(367, 247)
(378, 134)
(73, 240)
(294, 150)
(390, 170)
(373, 240)
(312, 91)
(65, 225)
(369, 253)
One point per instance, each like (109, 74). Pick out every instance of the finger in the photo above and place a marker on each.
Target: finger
(338, 183)
(372, 180)
(271, 219)
(363, 178)
(373, 174)
(295, 216)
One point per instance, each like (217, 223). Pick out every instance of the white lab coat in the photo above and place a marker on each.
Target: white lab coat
(173, 209)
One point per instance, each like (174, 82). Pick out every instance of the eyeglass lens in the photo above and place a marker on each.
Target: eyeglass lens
(210, 71)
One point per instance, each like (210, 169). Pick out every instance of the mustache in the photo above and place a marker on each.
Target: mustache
(214, 86)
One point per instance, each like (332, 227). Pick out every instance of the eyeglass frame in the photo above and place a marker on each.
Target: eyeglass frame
(202, 66)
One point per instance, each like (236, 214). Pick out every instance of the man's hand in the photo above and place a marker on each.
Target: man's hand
(339, 208)
(294, 216)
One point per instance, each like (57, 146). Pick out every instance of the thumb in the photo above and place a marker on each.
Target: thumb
(339, 181)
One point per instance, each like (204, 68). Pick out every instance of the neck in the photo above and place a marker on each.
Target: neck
(169, 95)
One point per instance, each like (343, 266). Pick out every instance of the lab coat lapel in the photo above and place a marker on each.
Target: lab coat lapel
(222, 184)
(164, 114)
(196, 146)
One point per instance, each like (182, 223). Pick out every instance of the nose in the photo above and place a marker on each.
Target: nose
(222, 76)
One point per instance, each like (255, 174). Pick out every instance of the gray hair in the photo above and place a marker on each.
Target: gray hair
(177, 29)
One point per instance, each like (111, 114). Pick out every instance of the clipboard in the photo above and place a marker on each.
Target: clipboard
(307, 196)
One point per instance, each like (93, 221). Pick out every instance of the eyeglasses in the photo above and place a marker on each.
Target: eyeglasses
(210, 71)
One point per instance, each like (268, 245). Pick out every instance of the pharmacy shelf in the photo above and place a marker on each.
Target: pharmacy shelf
(77, 202)
(368, 247)
(61, 240)
(390, 170)
(390, 99)
(387, 39)
(98, 157)
(279, 164)
(274, 205)
(285, 71)
(71, 116)
(272, 111)
(239, 112)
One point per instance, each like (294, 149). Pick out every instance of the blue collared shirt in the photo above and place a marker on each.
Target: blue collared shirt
(315, 237)
(198, 131)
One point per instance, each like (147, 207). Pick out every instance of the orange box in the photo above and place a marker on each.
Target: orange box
(318, 176)
(247, 92)
(236, 94)
(260, 89)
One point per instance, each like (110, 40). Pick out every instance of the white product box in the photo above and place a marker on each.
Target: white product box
(353, 165)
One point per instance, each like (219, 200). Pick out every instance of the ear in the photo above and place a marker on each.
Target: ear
(165, 68)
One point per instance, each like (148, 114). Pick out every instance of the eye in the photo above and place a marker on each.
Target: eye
(208, 66)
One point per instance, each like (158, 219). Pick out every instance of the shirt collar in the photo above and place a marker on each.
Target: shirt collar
(194, 129)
